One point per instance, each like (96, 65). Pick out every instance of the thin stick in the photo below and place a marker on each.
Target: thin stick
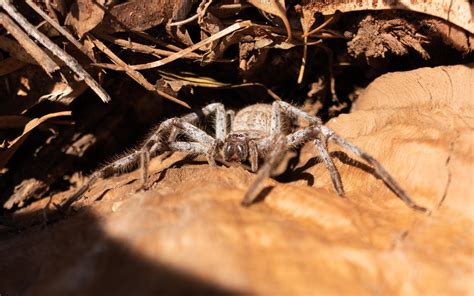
(60, 29)
(238, 6)
(135, 75)
(138, 47)
(192, 48)
(303, 60)
(157, 41)
(29, 45)
(317, 29)
(71, 62)
(185, 21)
(143, 48)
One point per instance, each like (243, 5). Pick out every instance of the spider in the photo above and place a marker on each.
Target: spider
(260, 133)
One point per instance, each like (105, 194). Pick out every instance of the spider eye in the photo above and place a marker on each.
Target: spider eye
(240, 151)
(228, 151)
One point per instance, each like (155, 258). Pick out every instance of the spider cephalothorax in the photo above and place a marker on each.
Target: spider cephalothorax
(235, 149)
(259, 133)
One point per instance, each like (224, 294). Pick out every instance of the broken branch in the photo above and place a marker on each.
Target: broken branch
(192, 48)
(29, 45)
(60, 29)
(71, 62)
(135, 75)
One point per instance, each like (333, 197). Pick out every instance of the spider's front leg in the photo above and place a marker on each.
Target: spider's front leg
(156, 144)
(276, 145)
(279, 146)
(321, 134)
(312, 133)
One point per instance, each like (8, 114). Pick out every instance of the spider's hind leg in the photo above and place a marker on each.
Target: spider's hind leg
(380, 170)
(118, 166)
(320, 134)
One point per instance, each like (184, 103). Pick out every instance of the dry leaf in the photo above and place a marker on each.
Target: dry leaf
(458, 12)
(15, 144)
(138, 15)
(275, 7)
(85, 15)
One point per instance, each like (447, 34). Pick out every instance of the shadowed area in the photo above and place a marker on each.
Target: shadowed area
(74, 256)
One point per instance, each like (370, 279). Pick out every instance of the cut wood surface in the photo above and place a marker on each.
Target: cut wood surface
(189, 234)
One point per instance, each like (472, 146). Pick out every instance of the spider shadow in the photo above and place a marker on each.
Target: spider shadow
(294, 173)
(299, 173)
(346, 159)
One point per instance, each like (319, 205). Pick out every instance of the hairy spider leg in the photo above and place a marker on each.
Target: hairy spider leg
(321, 145)
(311, 133)
(379, 169)
(220, 120)
(155, 145)
(320, 134)
(253, 156)
(315, 132)
(230, 114)
(279, 146)
(220, 123)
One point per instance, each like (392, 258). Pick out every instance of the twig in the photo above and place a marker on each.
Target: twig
(269, 91)
(138, 47)
(211, 83)
(185, 21)
(29, 45)
(60, 29)
(319, 28)
(192, 48)
(143, 48)
(148, 37)
(236, 6)
(109, 66)
(71, 62)
(305, 47)
(332, 82)
(303, 60)
(135, 75)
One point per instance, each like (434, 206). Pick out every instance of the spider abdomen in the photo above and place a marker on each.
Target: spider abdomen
(256, 118)
(253, 118)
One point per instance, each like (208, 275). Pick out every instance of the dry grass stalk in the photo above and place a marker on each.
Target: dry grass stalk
(192, 48)
(135, 75)
(135, 46)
